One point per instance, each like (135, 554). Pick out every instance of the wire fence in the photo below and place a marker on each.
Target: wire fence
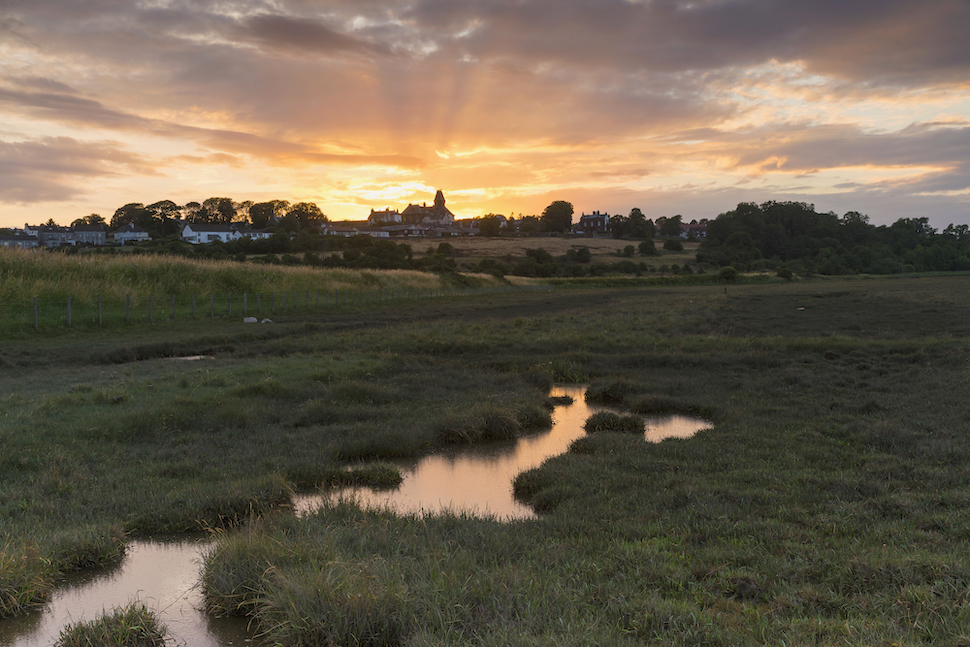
(41, 314)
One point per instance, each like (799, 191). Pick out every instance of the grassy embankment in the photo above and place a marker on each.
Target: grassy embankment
(110, 291)
(25, 275)
(828, 505)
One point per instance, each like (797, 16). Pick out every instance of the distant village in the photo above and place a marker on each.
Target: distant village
(414, 221)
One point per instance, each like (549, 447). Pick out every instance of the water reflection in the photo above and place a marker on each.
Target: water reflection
(164, 576)
(478, 479)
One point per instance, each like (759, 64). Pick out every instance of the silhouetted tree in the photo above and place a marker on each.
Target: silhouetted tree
(262, 214)
(90, 220)
(671, 226)
(557, 217)
(489, 225)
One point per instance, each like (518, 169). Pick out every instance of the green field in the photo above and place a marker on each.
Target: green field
(827, 505)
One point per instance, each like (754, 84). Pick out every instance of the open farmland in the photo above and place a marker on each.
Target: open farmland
(603, 250)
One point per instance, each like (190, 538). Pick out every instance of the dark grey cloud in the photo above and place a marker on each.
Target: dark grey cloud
(876, 41)
(65, 107)
(301, 36)
(61, 168)
(944, 146)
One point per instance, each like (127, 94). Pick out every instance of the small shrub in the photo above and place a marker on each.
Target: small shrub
(673, 245)
(728, 274)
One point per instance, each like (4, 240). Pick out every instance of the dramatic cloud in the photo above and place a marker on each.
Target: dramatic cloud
(666, 105)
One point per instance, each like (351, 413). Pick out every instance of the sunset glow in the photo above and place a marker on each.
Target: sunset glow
(674, 107)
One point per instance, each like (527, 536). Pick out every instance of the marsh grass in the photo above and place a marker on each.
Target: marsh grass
(827, 505)
(131, 626)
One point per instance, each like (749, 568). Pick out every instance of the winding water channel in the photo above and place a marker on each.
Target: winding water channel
(165, 575)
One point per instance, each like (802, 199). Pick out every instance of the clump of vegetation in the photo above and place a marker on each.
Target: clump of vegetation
(608, 421)
(377, 476)
(491, 421)
(26, 579)
(131, 626)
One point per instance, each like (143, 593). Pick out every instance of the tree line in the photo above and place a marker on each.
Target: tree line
(792, 235)
(163, 219)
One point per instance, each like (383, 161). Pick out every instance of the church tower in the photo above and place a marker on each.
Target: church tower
(439, 202)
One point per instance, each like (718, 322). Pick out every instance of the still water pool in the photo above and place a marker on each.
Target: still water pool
(478, 479)
(164, 575)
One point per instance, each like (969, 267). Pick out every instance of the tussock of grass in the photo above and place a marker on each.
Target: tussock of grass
(26, 579)
(491, 421)
(131, 626)
(92, 547)
(377, 476)
(338, 603)
(607, 421)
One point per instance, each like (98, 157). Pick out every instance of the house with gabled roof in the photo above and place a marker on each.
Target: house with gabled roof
(437, 214)
(19, 241)
(130, 233)
(202, 234)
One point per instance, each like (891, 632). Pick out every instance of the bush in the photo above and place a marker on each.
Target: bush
(648, 248)
(728, 274)
(673, 245)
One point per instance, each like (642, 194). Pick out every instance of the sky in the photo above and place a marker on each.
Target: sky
(671, 106)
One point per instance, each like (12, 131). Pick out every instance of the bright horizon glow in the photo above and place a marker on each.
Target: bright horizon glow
(673, 108)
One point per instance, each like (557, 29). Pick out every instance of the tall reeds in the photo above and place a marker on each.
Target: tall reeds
(25, 275)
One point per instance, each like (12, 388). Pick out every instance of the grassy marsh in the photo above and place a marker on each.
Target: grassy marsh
(828, 504)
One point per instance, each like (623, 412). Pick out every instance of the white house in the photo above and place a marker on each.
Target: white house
(201, 234)
(256, 234)
(130, 233)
